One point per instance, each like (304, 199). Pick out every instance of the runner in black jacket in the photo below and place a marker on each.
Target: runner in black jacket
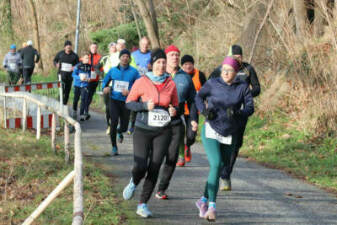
(65, 61)
(29, 56)
(246, 73)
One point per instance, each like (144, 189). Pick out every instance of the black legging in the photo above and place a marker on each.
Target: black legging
(172, 156)
(66, 86)
(226, 171)
(150, 148)
(83, 93)
(92, 89)
(190, 134)
(106, 98)
(27, 74)
(118, 111)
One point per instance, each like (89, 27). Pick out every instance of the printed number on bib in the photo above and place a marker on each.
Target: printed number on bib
(93, 75)
(83, 76)
(211, 133)
(119, 86)
(12, 66)
(66, 67)
(158, 118)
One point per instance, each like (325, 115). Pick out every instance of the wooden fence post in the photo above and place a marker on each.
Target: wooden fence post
(38, 123)
(66, 141)
(24, 115)
(53, 132)
(5, 111)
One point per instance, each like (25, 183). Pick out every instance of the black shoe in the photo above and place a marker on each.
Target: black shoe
(87, 117)
(82, 118)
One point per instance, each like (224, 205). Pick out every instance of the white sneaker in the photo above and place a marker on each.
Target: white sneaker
(129, 190)
(143, 211)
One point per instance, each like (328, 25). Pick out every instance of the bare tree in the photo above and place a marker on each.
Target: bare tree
(300, 17)
(36, 30)
(136, 19)
(149, 16)
(6, 19)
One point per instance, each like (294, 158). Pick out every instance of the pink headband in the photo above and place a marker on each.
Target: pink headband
(232, 62)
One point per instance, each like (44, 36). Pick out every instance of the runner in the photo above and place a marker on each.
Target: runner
(12, 63)
(246, 73)
(223, 113)
(94, 59)
(154, 98)
(29, 56)
(81, 75)
(186, 93)
(24, 44)
(123, 76)
(65, 61)
(142, 58)
(198, 78)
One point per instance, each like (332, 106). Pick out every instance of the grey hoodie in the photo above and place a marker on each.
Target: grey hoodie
(12, 62)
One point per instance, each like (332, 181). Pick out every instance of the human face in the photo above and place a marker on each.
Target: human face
(124, 59)
(238, 58)
(12, 50)
(228, 73)
(68, 48)
(85, 59)
(113, 49)
(173, 59)
(159, 67)
(144, 45)
(120, 46)
(93, 48)
(188, 67)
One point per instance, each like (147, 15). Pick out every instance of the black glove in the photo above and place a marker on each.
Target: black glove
(210, 114)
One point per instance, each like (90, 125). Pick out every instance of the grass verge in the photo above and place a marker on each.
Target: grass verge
(29, 171)
(279, 143)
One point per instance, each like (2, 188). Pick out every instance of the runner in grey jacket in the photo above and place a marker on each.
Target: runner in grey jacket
(12, 63)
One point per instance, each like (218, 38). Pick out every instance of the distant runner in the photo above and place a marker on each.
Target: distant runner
(12, 63)
(30, 57)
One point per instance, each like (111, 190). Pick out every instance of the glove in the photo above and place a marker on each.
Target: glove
(210, 114)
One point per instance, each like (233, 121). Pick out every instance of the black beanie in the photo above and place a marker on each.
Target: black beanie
(157, 54)
(236, 50)
(67, 42)
(124, 51)
(187, 58)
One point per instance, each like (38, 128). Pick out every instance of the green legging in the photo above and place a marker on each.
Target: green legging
(218, 155)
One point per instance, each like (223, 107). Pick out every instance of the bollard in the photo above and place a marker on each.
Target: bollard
(38, 123)
(5, 111)
(24, 115)
(53, 133)
(66, 141)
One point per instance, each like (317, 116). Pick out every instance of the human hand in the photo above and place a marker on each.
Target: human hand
(150, 105)
(125, 92)
(106, 90)
(172, 111)
(194, 126)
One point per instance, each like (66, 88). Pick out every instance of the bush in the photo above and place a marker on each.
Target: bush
(125, 31)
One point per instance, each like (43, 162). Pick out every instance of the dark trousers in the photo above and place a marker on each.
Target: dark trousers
(66, 86)
(13, 77)
(227, 169)
(118, 111)
(27, 74)
(150, 148)
(106, 98)
(172, 156)
(133, 116)
(190, 134)
(84, 94)
(92, 89)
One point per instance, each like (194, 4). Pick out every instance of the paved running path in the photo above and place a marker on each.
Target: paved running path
(260, 195)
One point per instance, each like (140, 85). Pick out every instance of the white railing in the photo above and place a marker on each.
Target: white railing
(76, 174)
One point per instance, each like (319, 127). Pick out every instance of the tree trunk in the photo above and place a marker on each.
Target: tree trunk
(6, 18)
(136, 19)
(319, 20)
(36, 31)
(150, 21)
(300, 17)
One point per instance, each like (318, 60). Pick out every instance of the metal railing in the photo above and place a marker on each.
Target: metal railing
(76, 174)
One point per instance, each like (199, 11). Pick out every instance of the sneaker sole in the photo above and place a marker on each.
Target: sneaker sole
(147, 216)
(161, 198)
(200, 215)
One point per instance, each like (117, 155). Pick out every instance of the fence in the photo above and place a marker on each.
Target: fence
(76, 174)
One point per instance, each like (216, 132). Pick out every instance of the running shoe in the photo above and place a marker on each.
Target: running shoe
(210, 215)
(161, 195)
(143, 211)
(181, 162)
(82, 117)
(129, 190)
(114, 150)
(130, 131)
(203, 207)
(188, 154)
(87, 116)
(225, 184)
(120, 137)
(108, 130)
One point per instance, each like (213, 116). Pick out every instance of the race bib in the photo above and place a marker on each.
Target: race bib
(83, 76)
(158, 118)
(211, 133)
(12, 66)
(119, 85)
(93, 75)
(66, 67)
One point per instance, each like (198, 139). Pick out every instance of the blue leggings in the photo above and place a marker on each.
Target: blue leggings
(218, 155)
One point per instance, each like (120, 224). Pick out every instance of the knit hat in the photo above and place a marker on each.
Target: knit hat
(157, 54)
(171, 48)
(121, 41)
(187, 58)
(231, 62)
(67, 42)
(13, 46)
(235, 50)
(124, 51)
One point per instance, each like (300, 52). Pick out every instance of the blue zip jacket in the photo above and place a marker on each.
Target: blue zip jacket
(142, 59)
(78, 69)
(186, 93)
(119, 75)
(220, 96)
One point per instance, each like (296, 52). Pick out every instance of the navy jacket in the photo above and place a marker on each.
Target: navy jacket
(81, 68)
(220, 96)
